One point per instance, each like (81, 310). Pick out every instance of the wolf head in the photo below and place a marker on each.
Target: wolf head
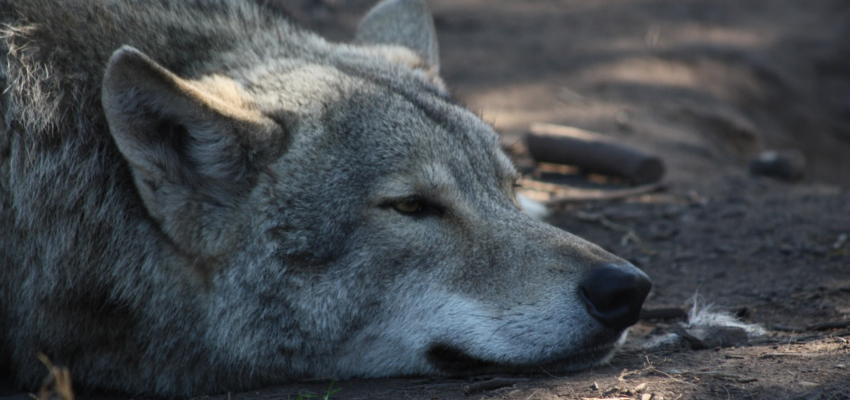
(342, 216)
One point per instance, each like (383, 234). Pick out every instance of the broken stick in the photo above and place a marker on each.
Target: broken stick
(579, 196)
(492, 384)
(592, 152)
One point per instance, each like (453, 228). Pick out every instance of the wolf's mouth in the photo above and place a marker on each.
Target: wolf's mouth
(454, 361)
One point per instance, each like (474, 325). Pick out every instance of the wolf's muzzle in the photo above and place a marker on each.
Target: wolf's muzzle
(615, 293)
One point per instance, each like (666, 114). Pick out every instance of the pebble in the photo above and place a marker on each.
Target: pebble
(782, 164)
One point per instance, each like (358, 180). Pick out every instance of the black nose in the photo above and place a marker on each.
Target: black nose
(614, 294)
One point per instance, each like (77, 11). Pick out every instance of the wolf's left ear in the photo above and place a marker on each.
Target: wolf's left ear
(195, 147)
(406, 23)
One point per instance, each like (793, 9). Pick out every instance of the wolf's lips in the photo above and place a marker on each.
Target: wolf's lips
(455, 361)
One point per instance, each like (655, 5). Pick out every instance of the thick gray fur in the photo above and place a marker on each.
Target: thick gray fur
(198, 197)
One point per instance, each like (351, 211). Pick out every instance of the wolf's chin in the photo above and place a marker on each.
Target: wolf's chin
(452, 360)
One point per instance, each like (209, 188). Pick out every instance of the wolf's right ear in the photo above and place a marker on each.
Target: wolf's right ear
(406, 23)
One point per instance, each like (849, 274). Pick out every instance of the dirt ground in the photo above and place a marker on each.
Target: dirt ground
(705, 85)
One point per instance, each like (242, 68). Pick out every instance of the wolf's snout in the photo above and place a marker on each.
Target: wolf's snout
(615, 293)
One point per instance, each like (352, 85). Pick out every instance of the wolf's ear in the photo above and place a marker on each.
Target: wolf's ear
(193, 146)
(405, 23)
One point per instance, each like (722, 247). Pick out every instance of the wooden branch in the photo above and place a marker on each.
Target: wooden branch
(580, 196)
(592, 152)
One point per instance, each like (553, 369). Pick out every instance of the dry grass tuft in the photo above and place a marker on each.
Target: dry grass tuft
(57, 385)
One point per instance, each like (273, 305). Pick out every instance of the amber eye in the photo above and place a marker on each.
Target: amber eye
(408, 206)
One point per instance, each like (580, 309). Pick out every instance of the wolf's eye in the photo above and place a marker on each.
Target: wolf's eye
(408, 206)
(415, 206)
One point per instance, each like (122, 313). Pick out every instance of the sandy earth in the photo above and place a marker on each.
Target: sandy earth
(705, 85)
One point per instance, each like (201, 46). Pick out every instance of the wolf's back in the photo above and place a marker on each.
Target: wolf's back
(73, 232)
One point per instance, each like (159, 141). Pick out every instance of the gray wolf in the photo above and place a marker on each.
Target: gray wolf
(199, 197)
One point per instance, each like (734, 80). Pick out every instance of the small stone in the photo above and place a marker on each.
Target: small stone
(782, 164)
(594, 386)
(640, 387)
(646, 396)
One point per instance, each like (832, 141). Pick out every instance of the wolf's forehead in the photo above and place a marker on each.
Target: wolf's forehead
(439, 137)
(390, 119)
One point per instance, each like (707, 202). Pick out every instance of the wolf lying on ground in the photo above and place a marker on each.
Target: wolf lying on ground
(198, 197)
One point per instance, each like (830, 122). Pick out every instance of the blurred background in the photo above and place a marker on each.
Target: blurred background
(706, 83)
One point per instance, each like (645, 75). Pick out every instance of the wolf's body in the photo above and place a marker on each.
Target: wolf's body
(227, 201)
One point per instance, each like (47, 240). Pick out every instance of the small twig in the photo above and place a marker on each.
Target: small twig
(607, 398)
(821, 326)
(787, 328)
(492, 384)
(603, 195)
(828, 325)
(626, 373)
(630, 234)
(57, 385)
(546, 372)
(773, 355)
(656, 370)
